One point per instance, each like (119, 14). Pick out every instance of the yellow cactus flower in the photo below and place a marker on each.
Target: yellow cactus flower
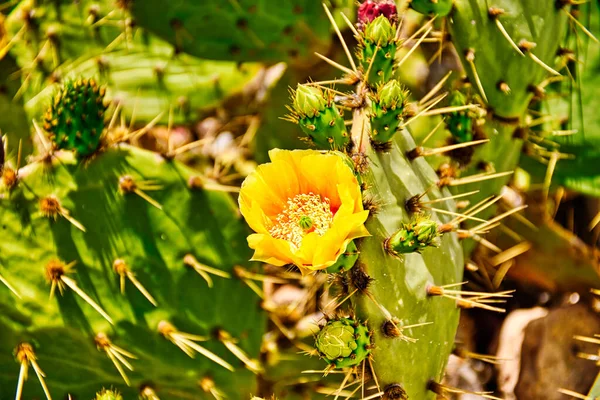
(305, 207)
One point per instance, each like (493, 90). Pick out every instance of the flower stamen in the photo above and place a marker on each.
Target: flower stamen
(303, 214)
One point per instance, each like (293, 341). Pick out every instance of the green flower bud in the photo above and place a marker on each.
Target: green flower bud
(108, 395)
(309, 101)
(346, 260)
(344, 342)
(391, 95)
(413, 237)
(426, 230)
(380, 31)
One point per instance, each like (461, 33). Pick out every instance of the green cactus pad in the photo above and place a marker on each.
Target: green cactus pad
(378, 40)
(399, 284)
(476, 35)
(153, 243)
(75, 118)
(344, 342)
(239, 31)
(387, 108)
(435, 7)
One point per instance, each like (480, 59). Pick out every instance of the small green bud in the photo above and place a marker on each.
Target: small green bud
(413, 237)
(344, 342)
(108, 395)
(460, 123)
(346, 260)
(391, 95)
(426, 231)
(309, 101)
(380, 31)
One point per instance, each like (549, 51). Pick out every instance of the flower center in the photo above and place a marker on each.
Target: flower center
(304, 213)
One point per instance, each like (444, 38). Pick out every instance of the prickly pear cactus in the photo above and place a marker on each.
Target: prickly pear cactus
(401, 321)
(117, 271)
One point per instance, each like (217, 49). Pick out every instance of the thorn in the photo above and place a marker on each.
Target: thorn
(420, 152)
(56, 274)
(187, 343)
(575, 394)
(470, 299)
(470, 58)
(121, 268)
(446, 110)
(341, 38)
(26, 357)
(443, 390)
(9, 286)
(350, 24)
(526, 47)
(409, 53)
(207, 384)
(128, 185)
(511, 253)
(435, 89)
(499, 218)
(230, 343)
(391, 329)
(335, 64)
(420, 113)
(580, 26)
(204, 270)
(116, 354)
(50, 207)
(372, 60)
(430, 134)
(494, 13)
(478, 178)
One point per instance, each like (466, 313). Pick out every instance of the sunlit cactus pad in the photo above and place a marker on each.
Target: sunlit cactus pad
(125, 235)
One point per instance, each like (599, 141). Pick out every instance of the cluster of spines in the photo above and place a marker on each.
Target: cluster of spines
(75, 118)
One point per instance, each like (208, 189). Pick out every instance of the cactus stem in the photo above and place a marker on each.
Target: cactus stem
(470, 58)
(421, 152)
(187, 343)
(494, 13)
(204, 270)
(128, 185)
(26, 357)
(340, 37)
(435, 89)
(230, 343)
(510, 253)
(580, 26)
(575, 394)
(444, 390)
(413, 48)
(478, 178)
(50, 207)
(121, 268)
(207, 384)
(350, 24)
(336, 65)
(115, 354)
